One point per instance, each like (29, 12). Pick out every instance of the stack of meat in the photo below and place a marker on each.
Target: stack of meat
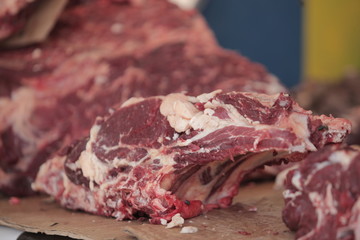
(100, 54)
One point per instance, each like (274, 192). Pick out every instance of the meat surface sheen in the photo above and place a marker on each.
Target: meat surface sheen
(164, 155)
(322, 196)
(100, 54)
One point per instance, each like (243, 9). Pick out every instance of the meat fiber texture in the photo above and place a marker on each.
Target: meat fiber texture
(101, 53)
(165, 155)
(322, 196)
(340, 99)
(13, 15)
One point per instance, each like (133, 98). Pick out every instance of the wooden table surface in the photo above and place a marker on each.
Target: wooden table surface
(37, 214)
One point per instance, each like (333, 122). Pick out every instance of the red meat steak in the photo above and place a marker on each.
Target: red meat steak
(322, 196)
(164, 155)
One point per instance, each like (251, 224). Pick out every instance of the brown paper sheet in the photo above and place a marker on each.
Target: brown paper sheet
(237, 222)
(38, 25)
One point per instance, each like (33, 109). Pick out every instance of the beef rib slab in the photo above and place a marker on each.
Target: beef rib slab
(164, 155)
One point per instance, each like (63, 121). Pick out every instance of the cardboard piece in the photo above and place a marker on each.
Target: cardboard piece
(37, 214)
(39, 24)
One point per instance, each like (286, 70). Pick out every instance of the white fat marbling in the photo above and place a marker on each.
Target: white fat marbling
(90, 165)
(322, 207)
(280, 177)
(132, 101)
(296, 180)
(343, 158)
(288, 194)
(176, 221)
(205, 97)
(178, 110)
(299, 123)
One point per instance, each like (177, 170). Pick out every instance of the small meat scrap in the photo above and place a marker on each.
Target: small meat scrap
(176, 221)
(14, 201)
(180, 155)
(189, 229)
(322, 196)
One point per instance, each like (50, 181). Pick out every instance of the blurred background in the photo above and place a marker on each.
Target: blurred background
(317, 40)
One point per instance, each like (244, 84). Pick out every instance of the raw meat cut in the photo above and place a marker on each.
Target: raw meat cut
(101, 53)
(13, 15)
(160, 156)
(339, 98)
(322, 196)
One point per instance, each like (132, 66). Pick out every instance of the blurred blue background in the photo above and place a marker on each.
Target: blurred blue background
(266, 31)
